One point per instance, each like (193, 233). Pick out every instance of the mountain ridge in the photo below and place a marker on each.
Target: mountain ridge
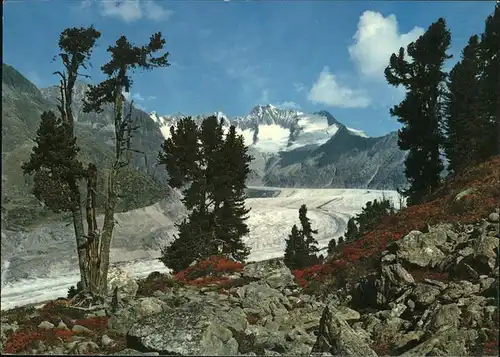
(310, 150)
(141, 184)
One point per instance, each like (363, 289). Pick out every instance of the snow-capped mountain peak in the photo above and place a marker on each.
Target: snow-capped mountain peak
(270, 129)
(358, 132)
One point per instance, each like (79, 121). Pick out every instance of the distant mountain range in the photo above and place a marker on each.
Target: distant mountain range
(291, 149)
(297, 149)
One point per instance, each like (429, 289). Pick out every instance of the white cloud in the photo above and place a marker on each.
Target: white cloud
(328, 91)
(376, 38)
(132, 10)
(138, 97)
(128, 11)
(287, 105)
(85, 4)
(299, 87)
(155, 12)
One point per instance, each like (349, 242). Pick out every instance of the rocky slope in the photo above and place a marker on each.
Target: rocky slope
(434, 293)
(296, 149)
(22, 104)
(425, 281)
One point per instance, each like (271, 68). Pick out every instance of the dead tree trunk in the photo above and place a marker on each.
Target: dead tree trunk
(93, 236)
(121, 126)
(76, 210)
(77, 216)
(125, 56)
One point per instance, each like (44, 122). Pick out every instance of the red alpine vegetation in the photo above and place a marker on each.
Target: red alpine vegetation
(22, 340)
(441, 207)
(213, 267)
(98, 323)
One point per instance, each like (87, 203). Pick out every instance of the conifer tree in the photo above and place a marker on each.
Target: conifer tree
(372, 214)
(54, 161)
(473, 101)
(211, 169)
(301, 247)
(296, 255)
(490, 85)
(332, 244)
(307, 232)
(125, 57)
(352, 230)
(465, 112)
(58, 173)
(57, 170)
(230, 190)
(421, 111)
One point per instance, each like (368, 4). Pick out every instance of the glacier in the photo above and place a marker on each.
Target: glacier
(270, 221)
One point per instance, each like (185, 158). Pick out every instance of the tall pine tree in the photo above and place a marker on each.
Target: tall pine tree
(125, 58)
(352, 230)
(465, 112)
(473, 101)
(301, 247)
(296, 255)
(54, 161)
(230, 190)
(307, 232)
(421, 111)
(211, 168)
(490, 82)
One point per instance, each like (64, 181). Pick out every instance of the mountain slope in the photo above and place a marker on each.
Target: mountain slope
(22, 103)
(297, 149)
(346, 160)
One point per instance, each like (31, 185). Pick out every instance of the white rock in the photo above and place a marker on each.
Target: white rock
(493, 217)
(46, 325)
(127, 286)
(106, 340)
(81, 329)
(62, 326)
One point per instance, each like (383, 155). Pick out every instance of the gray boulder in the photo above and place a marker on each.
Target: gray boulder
(192, 329)
(126, 284)
(425, 294)
(338, 338)
(444, 317)
(123, 319)
(420, 249)
(457, 289)
(274, 272)
(450, 342)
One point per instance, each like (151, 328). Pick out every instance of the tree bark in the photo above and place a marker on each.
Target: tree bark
(81, 241)
(93, 237)
(107, 231)
(79, 235)
(110, 206)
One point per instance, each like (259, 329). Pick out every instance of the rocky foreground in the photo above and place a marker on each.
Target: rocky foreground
(432, 293)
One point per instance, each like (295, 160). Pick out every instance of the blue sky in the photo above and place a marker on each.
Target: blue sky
(232, 55)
